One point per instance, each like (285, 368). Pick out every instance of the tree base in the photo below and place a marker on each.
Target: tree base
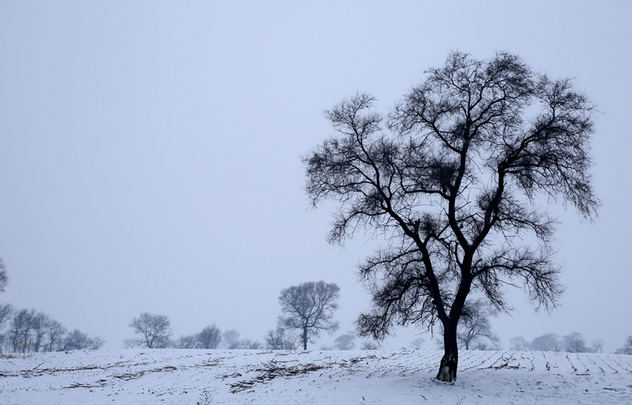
(447, 369)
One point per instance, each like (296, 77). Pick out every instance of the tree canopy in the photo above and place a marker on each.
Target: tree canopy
(455, 177)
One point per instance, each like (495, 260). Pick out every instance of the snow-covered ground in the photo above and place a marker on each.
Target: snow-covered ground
(315, 377)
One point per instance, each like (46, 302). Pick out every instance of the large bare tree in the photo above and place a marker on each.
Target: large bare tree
(309, 307)
(454, 177)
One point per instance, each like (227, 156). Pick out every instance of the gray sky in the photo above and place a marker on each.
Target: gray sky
(150, 151)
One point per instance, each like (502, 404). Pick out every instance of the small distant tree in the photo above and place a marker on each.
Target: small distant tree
(77, 340)
(186, 342)
(21, 333)
(370, 345)
(417, 343)
(209, 337)
(280, 339)
(247, 344)
(232, 341)
(6, 310)
(309, 307)
(230, 338)
(97, 343)
(518, 344)
(575, 343)
(627, 347)
(153, 329)
(596, 347)
(475, 329)
(4, 279)
(54, 335)
(38, 325)
(549, 342)
(345, 341)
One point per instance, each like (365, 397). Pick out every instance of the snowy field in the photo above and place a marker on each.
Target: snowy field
(316, 377)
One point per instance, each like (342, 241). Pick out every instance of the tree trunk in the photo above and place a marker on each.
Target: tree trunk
(304, 338)
(450, 359)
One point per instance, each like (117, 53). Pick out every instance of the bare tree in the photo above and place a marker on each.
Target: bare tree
(6, 310)
(345, 341)
(54, 335)
(21, 333)
(38, 325)
(209, 337)
(519, 343)
(186, 342)
(77, 340)
(4, 279)
(475, 329)
(247, 344)
(309, 307)
(452, 179)
(596, 346)
(417, 343)
(627, 347)
(575, 343)
(370, 345)
(153, 329)
(230, 338)
(280, 339)
(548, 342)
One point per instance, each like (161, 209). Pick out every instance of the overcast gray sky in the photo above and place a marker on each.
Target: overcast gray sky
(150, 151)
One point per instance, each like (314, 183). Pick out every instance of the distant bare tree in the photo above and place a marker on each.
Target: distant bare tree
(549, 342)
(77, 340)
(309, 307)
(186, 342)
(153, 329)
(209, 337)
(21, 333)
(54, 335)
(247, 344)
(4, 279)
(230, 338)
(452, 180)
(627, 347)
(97, 343)
(596, 347)
(38, 325)
(417, 343)
(370, 345)
(575, 343)
(518, 344)
(280, 339)
(6, 310)
(345, 341)
(475, 329)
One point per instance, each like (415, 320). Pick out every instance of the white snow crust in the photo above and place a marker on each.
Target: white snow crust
(314, 377)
